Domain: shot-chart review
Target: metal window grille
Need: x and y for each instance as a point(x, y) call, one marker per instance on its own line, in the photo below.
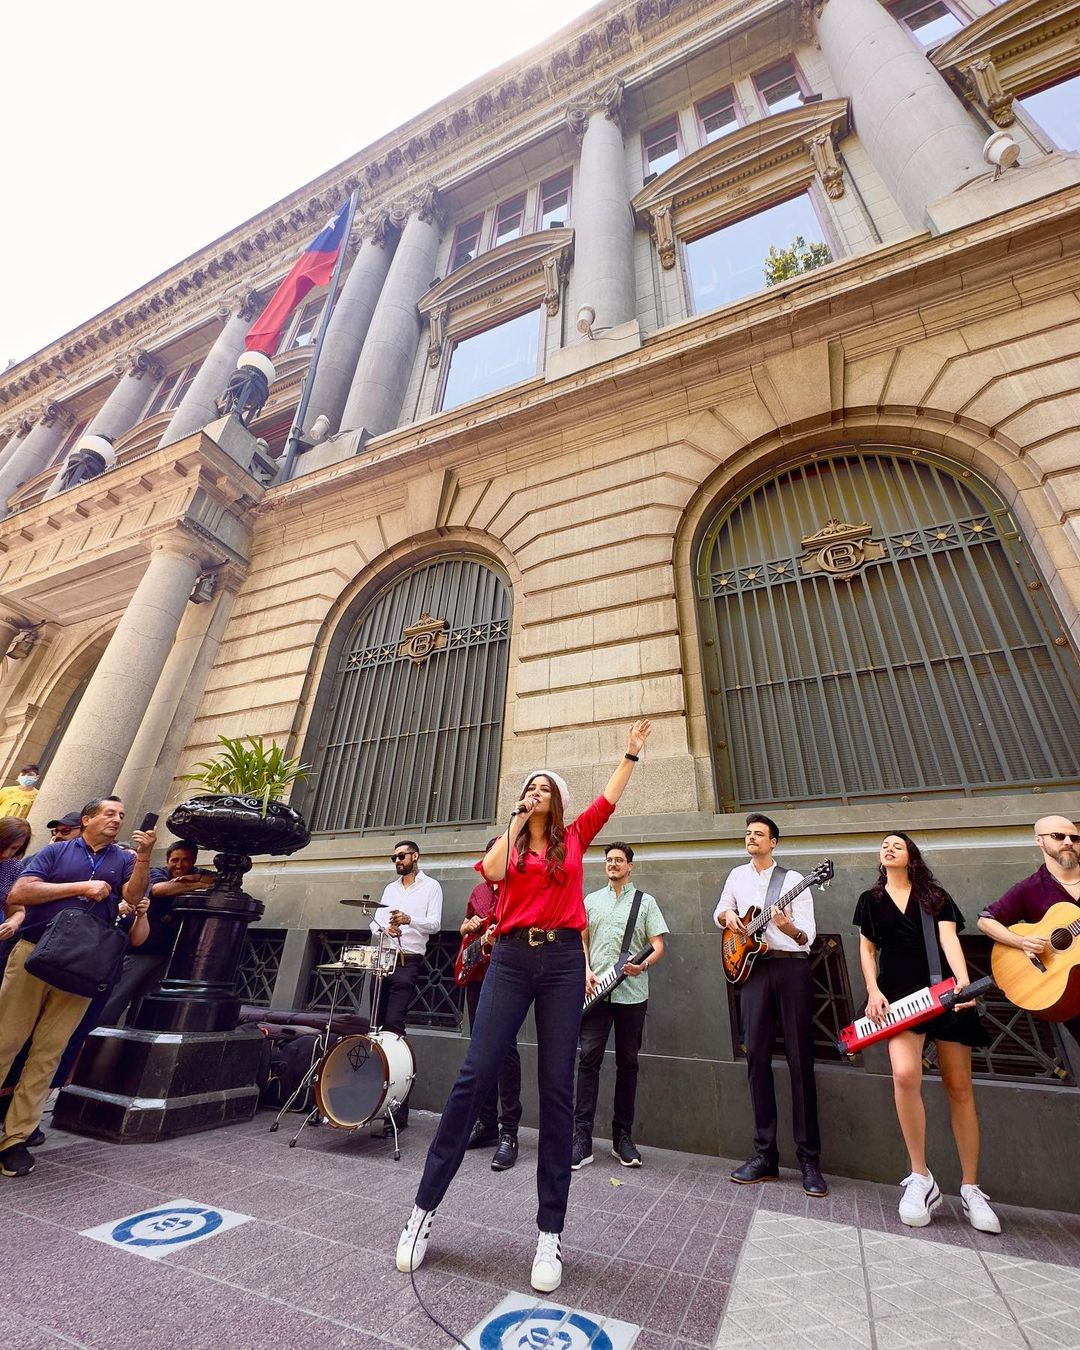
point(415, 740)
point(259, 965)
point(326, 949)
point(439, 1000)
point(832, 1002)
point(940, 666)
point(1023, 1048)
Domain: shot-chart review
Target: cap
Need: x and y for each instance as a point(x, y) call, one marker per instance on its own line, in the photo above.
point(554, 779)
point(72, 819)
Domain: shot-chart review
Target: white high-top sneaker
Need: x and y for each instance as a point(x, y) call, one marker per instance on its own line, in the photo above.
point(412, 1244)
point(547, 1264)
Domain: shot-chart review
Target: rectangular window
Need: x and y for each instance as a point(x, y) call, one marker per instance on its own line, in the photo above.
point(509, 221)
point(730, 262)
point(493, 359)
point(717, 115)
point(70, 441)
point(660, 145)
point(172, 389)
point(301, 330)
point(1057, 111)
point(928, 21)
point(554, 211)
point(779, 87)
point(466, 242)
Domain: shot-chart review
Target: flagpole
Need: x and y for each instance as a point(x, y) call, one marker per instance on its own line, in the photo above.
point(292, 445)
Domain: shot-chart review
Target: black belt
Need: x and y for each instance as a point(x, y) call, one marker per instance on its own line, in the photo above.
point(783, 956)
point(537, 937)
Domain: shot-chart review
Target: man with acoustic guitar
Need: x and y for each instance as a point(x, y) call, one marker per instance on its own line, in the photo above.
point(1056, 882)
point(500, 1112)
point(777, 990)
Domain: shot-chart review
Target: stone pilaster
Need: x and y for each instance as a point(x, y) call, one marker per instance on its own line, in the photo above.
point(922, 140)
point(31, 455)
point(137, 374)
point(199, 404)
point(382, 373)
point(603, 224)
point(351, 319)
point(99, 737)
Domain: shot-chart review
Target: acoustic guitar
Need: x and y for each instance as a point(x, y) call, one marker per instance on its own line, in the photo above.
point(1048, 985)
point(739, 952)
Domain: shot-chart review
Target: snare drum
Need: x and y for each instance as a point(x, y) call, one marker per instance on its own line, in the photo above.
point(370, 958)
point(361, 1077)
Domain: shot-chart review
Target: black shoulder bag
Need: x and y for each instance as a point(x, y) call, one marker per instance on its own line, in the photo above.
point(79, 954)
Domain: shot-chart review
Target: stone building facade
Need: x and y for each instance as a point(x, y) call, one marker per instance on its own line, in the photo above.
point(580, 463)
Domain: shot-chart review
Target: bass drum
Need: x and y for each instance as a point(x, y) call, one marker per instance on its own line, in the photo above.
point(361, 1077)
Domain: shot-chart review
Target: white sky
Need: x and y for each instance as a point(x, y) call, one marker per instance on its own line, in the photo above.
point(135, 133)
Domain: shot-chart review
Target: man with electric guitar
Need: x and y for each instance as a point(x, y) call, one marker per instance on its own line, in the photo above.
point(500, 1112)
point(776, 989)
point(623, 924)
point(1036, 929)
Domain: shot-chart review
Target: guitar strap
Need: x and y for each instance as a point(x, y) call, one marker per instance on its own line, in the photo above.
point(776, 885)
point(933, 957)
point(631, 924)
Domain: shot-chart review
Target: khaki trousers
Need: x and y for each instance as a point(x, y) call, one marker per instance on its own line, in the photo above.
point(32, 1010)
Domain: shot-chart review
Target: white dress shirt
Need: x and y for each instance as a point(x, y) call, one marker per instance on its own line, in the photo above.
point(422, 902)
point(746, 886)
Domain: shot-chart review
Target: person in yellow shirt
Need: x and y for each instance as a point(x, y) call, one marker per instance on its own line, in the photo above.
point(17, 799)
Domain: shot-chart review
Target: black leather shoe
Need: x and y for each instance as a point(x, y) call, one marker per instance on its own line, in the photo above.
point(36, 1139)
point(813, 1183)
point(483, 1136)
point(506, 1154)
point(757, 1169)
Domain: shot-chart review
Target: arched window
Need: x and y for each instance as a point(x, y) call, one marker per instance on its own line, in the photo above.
point(873, 625)
point(412, 725)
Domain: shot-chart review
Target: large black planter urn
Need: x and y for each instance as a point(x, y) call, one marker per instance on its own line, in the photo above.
point(185, 1065)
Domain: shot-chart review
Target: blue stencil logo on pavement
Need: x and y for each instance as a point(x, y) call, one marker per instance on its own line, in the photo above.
point(523, 1323)
point(167, 1228)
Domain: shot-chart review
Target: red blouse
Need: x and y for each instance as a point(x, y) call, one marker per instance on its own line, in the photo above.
point(531, 899)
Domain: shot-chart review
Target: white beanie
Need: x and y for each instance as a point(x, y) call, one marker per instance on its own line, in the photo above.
point(554, 779)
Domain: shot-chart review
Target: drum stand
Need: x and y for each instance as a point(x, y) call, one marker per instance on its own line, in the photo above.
point(376, 989)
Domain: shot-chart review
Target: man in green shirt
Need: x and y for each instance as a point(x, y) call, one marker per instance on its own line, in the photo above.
point(608, 912)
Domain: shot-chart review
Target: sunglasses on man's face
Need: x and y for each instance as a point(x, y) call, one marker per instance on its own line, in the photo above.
point(399, 857)
point(1060, 838)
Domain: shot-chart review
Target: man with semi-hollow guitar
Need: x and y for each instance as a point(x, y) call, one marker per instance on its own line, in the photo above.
point(777, 990)
point(1055, 882)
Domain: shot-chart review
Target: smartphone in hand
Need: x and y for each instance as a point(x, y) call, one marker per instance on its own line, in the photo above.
point(149, 820)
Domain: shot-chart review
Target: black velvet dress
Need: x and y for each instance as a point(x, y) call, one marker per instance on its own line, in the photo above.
point(903, 966)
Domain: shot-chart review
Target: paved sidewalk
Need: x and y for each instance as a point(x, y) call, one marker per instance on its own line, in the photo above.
point(674, 1249)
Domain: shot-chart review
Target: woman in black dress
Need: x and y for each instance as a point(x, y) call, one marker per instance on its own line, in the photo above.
point(892, 951)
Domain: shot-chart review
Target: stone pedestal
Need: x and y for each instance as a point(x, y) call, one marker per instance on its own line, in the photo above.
point(133, 1086)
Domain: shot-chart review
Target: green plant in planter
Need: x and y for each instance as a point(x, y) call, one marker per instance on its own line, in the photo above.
point(250, 770)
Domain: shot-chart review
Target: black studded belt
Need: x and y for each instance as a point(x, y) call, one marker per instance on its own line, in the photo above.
point(538, 937)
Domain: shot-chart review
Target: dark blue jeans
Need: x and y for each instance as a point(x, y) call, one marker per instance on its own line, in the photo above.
point(551, 980)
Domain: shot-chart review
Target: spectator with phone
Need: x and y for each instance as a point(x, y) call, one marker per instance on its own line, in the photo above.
point(144, 966)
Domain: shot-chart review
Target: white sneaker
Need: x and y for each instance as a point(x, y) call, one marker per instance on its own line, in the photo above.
point(978, 1211)
point(547, 1264)
point(412, 1244)
point(921, 1197)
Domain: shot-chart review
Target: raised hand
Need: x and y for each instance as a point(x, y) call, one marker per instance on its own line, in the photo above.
point(637, 736)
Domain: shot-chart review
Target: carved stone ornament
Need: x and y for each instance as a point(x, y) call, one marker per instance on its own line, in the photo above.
point(139, 364)
point(663, 235)
point(823, 153)
point(555, 266)
point(249, 305)
point(55, 414)
point(606, 99)
point(426, 204)
point(436, 318)
point(808, 12)
point(840, 549)
point(374, 226)
point(422, 638)
point(983, 81)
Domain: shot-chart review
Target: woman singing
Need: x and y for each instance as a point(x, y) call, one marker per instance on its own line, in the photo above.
point(892, 950)
point(538, 962)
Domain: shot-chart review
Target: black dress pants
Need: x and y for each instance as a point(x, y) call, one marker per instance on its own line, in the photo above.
point(628, 1019)
point(394, 999)
point(502, 1105)
point(779, 993)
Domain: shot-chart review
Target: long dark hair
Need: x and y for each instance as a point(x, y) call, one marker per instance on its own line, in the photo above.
point(928, 894)
point(14, 830)
point(554, 835)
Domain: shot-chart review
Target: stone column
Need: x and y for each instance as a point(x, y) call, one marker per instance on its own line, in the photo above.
point(918, 134)
point(100, 735)
point(32, 454)
point(12, 435)
point(603, 224)
point(351, 320)
point(138, 372)
point(199, 404)
point(378, 387)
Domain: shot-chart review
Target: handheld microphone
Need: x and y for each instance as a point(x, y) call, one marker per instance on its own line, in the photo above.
point(521, 810)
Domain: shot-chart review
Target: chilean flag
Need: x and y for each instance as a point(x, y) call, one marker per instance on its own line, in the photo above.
point(314, 267)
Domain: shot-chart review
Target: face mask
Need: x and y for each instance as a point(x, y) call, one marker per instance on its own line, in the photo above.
point(26, 780)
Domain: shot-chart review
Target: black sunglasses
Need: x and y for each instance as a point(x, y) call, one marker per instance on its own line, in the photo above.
point(1060, 838)
point(399, 857)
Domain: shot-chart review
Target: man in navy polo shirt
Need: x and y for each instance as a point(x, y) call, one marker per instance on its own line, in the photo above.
point(62, 876)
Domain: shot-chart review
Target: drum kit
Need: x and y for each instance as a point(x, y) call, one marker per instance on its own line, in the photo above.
point(357, 1079)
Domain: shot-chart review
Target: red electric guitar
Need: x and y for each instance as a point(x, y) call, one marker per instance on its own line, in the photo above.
point(473, 956)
